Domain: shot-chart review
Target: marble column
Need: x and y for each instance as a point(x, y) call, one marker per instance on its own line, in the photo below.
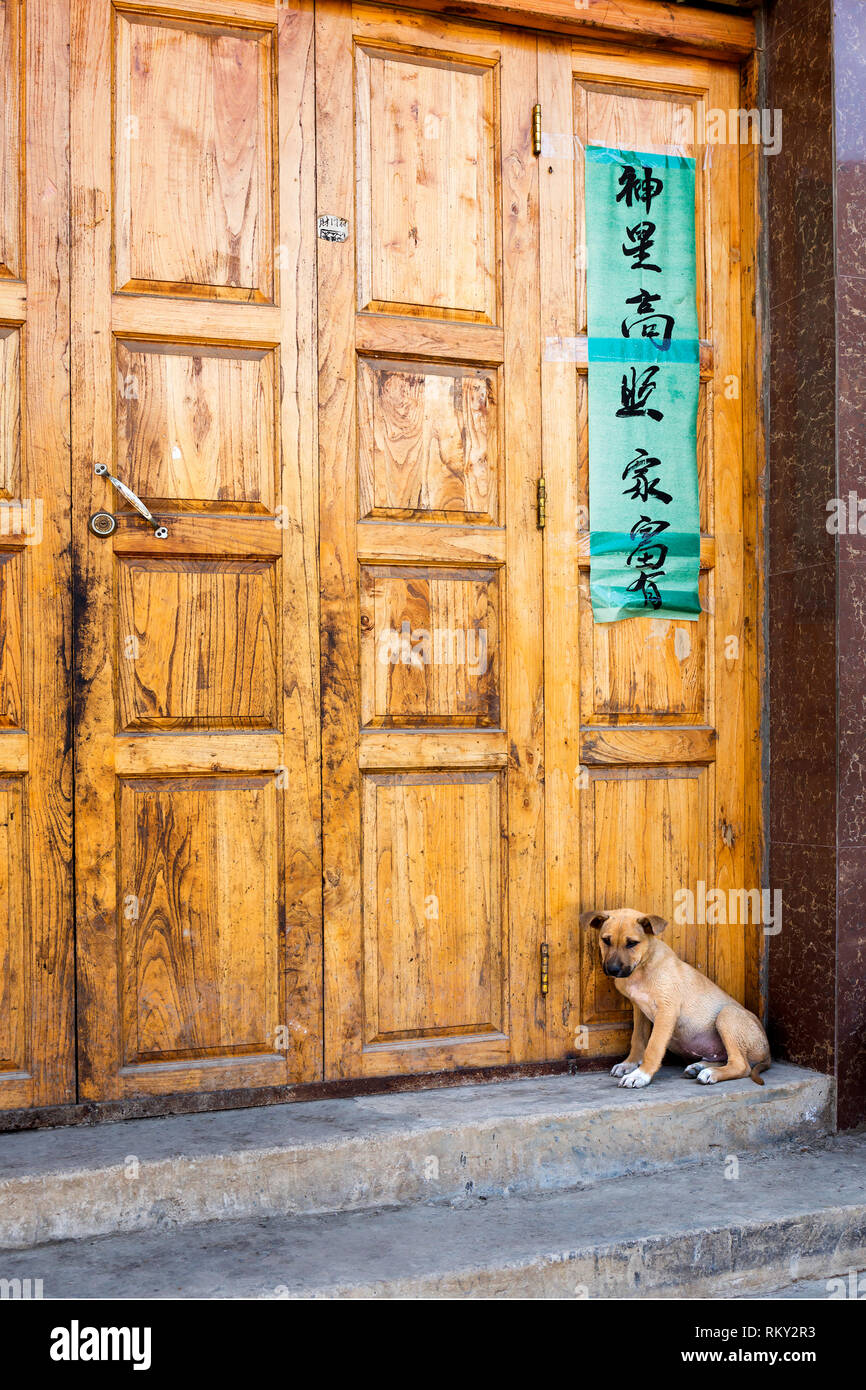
point(815, 73)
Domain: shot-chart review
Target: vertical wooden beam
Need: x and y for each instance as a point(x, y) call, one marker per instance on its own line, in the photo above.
point(296, 274)
point(730, 829)
point(48, 594)
point(340, 618)
point(752, 168)
point(92, 416)
point(524, 674)
point(559, 419)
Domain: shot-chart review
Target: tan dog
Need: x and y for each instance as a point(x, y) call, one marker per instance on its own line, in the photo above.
point(675, 1007)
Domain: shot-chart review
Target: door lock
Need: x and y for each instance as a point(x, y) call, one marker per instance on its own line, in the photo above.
point(159, 531)
point(103, 524)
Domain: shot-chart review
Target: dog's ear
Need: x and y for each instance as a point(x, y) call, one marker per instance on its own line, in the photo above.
point(593, 919)
point(654, 925)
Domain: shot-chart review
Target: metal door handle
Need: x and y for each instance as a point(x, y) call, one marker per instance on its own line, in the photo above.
point(159, 531)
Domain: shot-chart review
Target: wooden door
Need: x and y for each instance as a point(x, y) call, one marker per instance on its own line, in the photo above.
point(37, 1059)
point(488, 761)
point(652, 725)
point(197, 771)
point(429, 453)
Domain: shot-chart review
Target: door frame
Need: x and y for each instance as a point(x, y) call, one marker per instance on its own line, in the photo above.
point(686, 29)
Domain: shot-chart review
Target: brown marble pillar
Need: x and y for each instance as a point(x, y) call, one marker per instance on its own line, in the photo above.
point(815, 73)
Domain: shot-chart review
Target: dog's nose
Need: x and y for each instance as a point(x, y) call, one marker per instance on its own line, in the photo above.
point(611, 968)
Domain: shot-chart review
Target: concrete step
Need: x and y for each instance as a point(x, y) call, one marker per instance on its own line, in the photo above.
point(821, 1290)
point(694, 1231)
point(533, 1136)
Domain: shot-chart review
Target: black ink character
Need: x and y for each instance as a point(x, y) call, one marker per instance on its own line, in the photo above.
point(649, 322)
point(641, 236)
point(649, 554)
point(643, 487)
point(636, 393)
point(648, 587)
point(638, 186)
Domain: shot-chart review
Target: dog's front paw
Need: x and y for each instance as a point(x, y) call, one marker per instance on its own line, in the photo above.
point(623, 1068)
point(636, 1078)
point(707, 1076)
point(693, 1068)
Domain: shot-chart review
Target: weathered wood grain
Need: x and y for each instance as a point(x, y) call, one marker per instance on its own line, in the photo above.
point(203, 93)
point(200, 903)
point(37, 1056)
point(429, 451)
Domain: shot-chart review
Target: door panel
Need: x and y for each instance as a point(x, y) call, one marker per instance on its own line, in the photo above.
point(433, 974)
point(416, 168)
point(491, 760)
point(198, 803)
point(431, 559)
point(203, 855)
point(204, 93)
point(217, 406)
point(656, 779)
point(37, 1064)
point(428, 442)
point(645, 832)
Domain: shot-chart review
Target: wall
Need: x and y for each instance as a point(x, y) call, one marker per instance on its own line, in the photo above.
point(815, 66)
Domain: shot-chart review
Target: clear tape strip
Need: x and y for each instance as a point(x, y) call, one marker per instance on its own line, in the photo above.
point(563, 145)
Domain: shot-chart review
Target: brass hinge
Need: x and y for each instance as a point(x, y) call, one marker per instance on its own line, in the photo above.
point(545, 963)
point(541, 503)
point(536, 130)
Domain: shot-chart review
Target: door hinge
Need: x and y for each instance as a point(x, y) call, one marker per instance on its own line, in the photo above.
point(541, 503)
point(536, 129)
point(545, 964)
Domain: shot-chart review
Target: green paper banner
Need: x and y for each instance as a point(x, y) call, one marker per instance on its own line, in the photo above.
point(645, 536)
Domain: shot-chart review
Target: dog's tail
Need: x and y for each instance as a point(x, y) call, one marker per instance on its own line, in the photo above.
point(757, 1069)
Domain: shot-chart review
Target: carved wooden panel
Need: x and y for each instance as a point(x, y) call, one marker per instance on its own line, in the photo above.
point(427, 442)
point(13, 916)
point(11, 640)
point(195, 425)
point(11, 112)
point(193, 158)
point(10, 413)
point(647, 666)
point(429, 646)
point(434, 934)
point(199, 883)
point(426, 185)
point(197, 643)
point(645, 835)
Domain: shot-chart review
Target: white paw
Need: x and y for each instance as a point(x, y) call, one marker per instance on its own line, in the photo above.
point(623, 1068)
point(636, 1078)
point(693, 1068)
point(706, 1077)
